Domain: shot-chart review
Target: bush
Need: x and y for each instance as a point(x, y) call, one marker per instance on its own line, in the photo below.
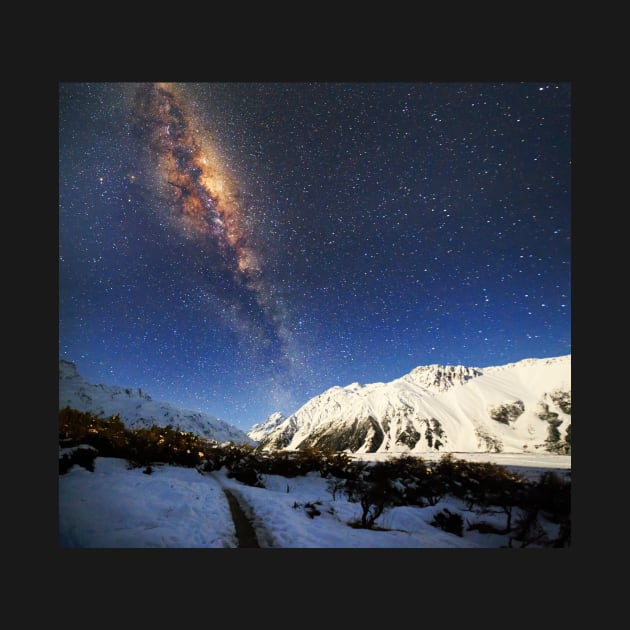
point(336, 464)
point(420, 485)
point(448, 469)
point(141, 447)
point(527, 529)
point(335, 485)
point(248, 475)
point(374, 490)
point(108, 435)
point(166, 445)
point(81, 456)
point(450, 522)
point(292, 463)
point(552, 495)
point(228, 455)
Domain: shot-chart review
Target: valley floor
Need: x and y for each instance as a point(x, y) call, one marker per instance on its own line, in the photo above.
point(118, 507)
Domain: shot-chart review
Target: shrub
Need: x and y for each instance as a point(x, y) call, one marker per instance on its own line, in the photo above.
point(491, 485)
point(111, 438)
point(289, 464)
point(373, 489)
point(74, 426)
point(421, 485)
point(247, 474)
point(108, 435)
point(166, 445)
point(527, 528)
point(448, 469)
point(293, 463)
point(450, 522)
point(564, 535)
point(336, 464)
point(335, 485)
point(552, 495)
point(549, 497)
point(311, 510)
point(81, 456)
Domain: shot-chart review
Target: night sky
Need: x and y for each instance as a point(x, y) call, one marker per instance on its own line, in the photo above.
point(238, 248)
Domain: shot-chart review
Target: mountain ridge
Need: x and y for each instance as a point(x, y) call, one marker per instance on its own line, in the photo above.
point(137, 409)
point(513, 407)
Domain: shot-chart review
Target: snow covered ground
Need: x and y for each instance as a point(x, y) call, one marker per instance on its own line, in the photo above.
point(118, 507)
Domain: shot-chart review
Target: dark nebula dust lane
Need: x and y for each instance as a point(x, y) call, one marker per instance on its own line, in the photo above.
point(202, 194)
point(204, 199)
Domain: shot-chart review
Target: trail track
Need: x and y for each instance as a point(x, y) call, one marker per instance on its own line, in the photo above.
point(245, 533)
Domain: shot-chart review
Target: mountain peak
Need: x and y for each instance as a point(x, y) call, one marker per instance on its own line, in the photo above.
point(258, 431)
point(440, 378)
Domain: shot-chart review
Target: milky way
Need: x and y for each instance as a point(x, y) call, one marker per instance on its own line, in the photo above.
point(204, 197)
point(201, 190)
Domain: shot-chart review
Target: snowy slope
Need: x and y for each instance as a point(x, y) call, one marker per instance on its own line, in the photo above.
point(518, 407)
point(136, 409)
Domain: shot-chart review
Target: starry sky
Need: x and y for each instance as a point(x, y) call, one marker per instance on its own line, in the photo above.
point(238, 248)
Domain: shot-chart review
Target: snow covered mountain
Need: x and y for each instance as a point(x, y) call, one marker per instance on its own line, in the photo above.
point(518, 407)
point(258, 431)
point(137, 410)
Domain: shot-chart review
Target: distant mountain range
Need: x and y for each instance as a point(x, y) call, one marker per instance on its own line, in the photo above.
point(137, 410)
point(518, 407)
